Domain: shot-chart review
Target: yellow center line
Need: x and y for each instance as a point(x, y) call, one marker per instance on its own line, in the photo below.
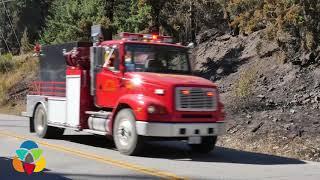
point(106, 160)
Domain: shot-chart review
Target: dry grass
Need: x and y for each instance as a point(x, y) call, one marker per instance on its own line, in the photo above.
point(310, 40)
point(13, 108)
point(259, 48)
point(275, 144)
point(244, 85)
point(281, 57)
point(21, 67)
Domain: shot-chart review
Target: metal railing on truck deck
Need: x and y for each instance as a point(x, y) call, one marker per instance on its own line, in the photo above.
point(48, 88)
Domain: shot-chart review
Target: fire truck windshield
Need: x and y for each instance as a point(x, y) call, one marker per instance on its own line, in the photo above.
point(156, 58)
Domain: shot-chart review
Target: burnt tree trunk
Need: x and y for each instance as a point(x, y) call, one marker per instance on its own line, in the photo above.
point(193, 22)
point(156, 6)
point(109, 9)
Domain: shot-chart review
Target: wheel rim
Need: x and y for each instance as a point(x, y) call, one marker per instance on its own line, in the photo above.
point(124, 132)
point(40, 120)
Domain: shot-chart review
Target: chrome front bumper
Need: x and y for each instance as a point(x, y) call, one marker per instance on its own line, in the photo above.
point(179, 129)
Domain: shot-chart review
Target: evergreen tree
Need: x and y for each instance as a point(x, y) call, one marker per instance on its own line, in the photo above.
point(72, 20)
point(132, 16)
point(183, 19)
point(16, 16)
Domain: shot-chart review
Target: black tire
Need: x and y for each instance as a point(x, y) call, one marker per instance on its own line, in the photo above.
point(207, 145)
point(41, 124)
point(125, 136)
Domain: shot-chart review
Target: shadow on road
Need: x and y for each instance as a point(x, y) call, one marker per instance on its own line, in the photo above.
point(7, 172)
point(181, 152)
point(91, 140)
point(103, 177)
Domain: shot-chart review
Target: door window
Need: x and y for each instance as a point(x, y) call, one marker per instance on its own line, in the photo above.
point(111, 59)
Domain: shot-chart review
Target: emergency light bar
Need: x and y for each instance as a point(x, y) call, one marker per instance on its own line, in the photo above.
point(131, 36)
point(167, 39)
point(145, 37)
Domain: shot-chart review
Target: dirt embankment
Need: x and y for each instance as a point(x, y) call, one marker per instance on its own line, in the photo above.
point(272, 105)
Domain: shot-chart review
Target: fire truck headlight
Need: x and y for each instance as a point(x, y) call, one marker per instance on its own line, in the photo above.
point(156, 109)
point(151, 109)
point(136, 81)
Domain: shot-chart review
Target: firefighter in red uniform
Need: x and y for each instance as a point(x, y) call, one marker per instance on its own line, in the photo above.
point(37, 50)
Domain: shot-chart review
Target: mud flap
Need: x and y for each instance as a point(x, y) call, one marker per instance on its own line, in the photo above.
point(31, 125)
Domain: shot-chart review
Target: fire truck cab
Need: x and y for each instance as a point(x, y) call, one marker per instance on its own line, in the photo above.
point(138, 88)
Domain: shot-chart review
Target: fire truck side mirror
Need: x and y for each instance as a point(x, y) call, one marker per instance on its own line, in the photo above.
point(96, 34)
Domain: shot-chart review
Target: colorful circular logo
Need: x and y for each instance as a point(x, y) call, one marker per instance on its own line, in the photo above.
point(29, 158)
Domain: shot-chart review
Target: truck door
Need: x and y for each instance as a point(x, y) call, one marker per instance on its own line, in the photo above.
point(109, 79)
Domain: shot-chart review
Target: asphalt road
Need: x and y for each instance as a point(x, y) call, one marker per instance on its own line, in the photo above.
point(83, 156)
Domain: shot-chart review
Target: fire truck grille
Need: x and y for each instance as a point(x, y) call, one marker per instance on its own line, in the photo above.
point(196, 99)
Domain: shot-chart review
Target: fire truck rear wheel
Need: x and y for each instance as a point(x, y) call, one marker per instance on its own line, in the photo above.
point(41, 124)
point(207, 145)
point(125, 136)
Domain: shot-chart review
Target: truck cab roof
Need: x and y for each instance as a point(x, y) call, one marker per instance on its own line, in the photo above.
point(121, 41)
point(136, 38)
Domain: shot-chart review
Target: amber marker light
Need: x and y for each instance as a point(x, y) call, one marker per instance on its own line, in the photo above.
point(154, 37)
point(210, 94)
point(185, 92)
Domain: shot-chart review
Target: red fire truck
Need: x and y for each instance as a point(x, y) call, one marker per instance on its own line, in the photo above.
point(135, 89)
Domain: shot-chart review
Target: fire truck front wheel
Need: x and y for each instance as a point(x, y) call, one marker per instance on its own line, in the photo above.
point(125, 136)
point(207, 145)
point(41, 124)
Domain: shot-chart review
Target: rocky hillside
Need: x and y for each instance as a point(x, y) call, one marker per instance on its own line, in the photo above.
point(272, 103)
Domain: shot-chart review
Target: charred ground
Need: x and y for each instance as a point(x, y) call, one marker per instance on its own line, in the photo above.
point(272, 103)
